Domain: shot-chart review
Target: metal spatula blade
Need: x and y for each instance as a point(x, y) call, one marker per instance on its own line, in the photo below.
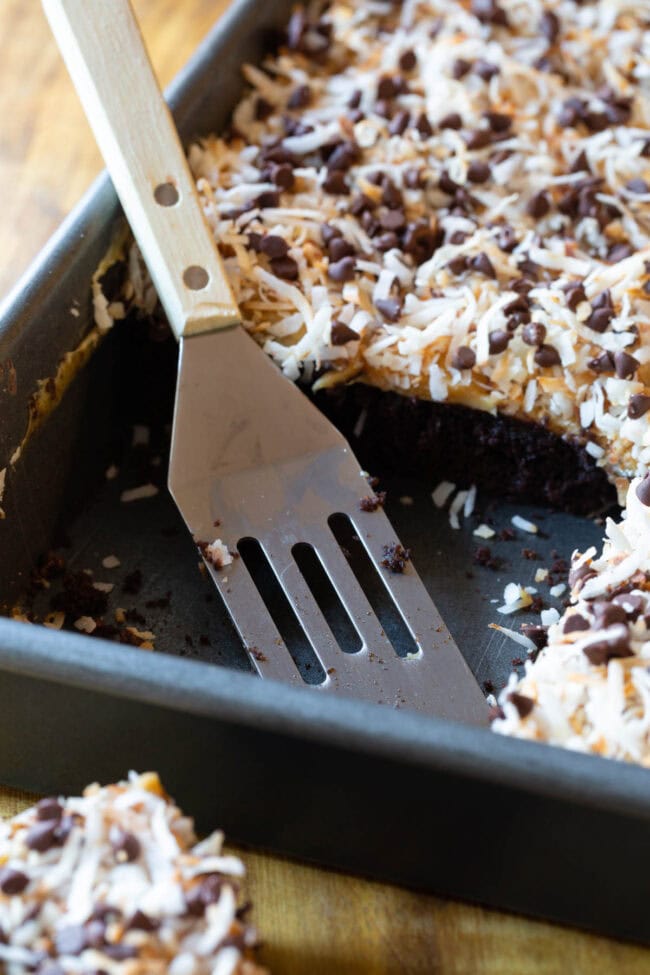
point(250, 453)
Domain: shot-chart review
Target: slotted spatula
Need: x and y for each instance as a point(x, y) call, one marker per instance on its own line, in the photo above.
point(249, 451)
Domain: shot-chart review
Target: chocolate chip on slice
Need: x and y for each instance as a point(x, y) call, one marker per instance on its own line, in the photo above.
point(643, 490)
point(538, 205)
point(638, 406)
point(413, 178)
point(267, 199)
point(580, 163)
point(522, 702)
point(478, 138)
point(602, 363)
point(549, 26)
point(575, 295)
point(600, 319)
point(262, 109)
point(606, 614)
point(338, 248)
point(614, 642)
point(489, 12)
point(485, 69)
point(393, 219)
point(519, 304)
point(49, 808)
point(420, 241)
point(498, 121)
point(575, 623)
point(458, 264)
point(120, 951)
point(343, 156)
point(300, 97)
point(478, 172)
point(547, 356)
point(506, 239)
point(126, 846)
point(274, 246)
point(386, 242)
point(460, 68)
point(391, 308)
point(140, 921)
point(399, 123)
point(632, 603)
point(451, 121)
point(42, 836)
point(498, 341)
point(538, 634)
point(342, 270)
point(12, 881)
point(637, 185)
point(463, 358)
point(482, 263)
point(328, 232)
point(423, 125)
point(407, 60)
point(391, 196)
point(335, 183)
point(285, 268)
point(386, 88)
point(534, 333)
point(282, 175)
point(341, 334)
point(581, 574)
point(619, 252)
point(625, 364)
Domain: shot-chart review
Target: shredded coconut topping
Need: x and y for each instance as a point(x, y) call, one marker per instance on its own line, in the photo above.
point(115, 881)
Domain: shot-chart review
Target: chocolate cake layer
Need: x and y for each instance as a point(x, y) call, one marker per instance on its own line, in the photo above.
point(503, 456)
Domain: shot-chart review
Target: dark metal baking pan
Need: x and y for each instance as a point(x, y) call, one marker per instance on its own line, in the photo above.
point(431, 804)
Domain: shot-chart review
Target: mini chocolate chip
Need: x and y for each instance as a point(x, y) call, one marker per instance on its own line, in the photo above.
point(603, 300)
point(126, 846)
point(386, 242)
point(338, 248)
point(519, 304)
point(538, 205)
point(282, 175)
point(478, 172)
point(423, 125)
point(393, 219)
point(581, 574)
point(447, 184)
point(342, 270)
point(343, 156)
point(606, 614)
point(458, 264)
point(637, 185)
point(386, 88)
point(413, 178)
point(49, 808)
point(300, 97)
point(391, 308)
point(489, 12)
point(478, 138)
point(274, 246)
point(615, 642)
point(485, 69)
point(341, 334)
point(391, 196)
point(267, 199)
point(420, 241)
point(285, 268)
point(549, 26)
point(619, 252)
point(458, 237)
point(334, 183)
point(506, 239)
point(575, 295)
point(534, 333)
point(638, 406)
point(580, 163)
point(600, 319)
point(643, 490)
point(523, 704)
point(95, 932)
point(632, 604)
point(407, 60)
point(329, 232)
point(355, 98)
point(70, 940)
point(498, 341)
point(460, 68)
point(12, 881)
point(142, 922)
point(575, 623)
point(262, 109)
point(538, 634)
point(360, 203)
point(602, 363)
point(482, 263)
point(547, 356)
point(498, 121)
point(120, 951)
point(626, 365)
point(399, 123)
point(42, 836)
point(463, 358)
point(451, 121)
point(206, 892)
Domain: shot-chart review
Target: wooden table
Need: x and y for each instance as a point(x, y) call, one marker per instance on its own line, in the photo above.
point(313, 922)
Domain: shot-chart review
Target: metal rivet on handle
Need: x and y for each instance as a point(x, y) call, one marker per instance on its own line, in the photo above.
point(196, 278)
point(166, 194)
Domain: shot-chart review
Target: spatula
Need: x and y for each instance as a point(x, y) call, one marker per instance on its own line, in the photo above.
point(251, 457)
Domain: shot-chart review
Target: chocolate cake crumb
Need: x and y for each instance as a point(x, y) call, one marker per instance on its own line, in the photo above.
point(373, 501)
point(132, 582)
point(483, 556)
point(79, 597)
point(395, 557)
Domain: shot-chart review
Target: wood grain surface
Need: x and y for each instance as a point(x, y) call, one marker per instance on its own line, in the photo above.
point(313, 922)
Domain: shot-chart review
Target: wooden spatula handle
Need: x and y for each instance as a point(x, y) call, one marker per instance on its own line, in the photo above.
point(102, 46)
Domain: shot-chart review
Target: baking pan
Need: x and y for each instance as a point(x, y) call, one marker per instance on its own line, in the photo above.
point(385, 793)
